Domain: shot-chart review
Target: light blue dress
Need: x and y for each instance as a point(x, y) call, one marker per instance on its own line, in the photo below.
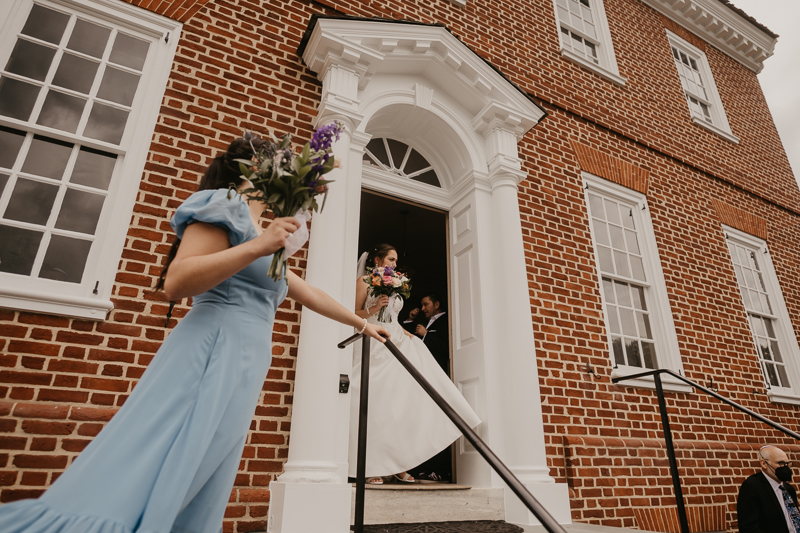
point(167, 460)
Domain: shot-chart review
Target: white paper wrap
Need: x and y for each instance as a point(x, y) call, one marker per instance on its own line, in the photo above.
point(296, 240)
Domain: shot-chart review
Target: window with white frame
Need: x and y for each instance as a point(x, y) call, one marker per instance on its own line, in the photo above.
point(80, 88)
point(767, 315)
point(699, 88)
point(585, 37)
point(641, 332)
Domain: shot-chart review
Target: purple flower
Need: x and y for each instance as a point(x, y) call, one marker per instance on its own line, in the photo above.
point(323, 137)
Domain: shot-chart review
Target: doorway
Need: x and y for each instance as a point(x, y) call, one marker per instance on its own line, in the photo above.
point(419, 234)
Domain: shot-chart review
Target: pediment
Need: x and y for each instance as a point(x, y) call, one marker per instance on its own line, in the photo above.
point(370, 48)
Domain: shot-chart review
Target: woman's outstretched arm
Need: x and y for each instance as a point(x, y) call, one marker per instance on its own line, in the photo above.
point(205, 258)
point(320, 302)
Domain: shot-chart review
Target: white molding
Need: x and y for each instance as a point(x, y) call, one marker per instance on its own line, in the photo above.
point(668, 383)
point(80, 299)
point(663, 324)
point(783, 325)
point(721, 126)
point(722, 27)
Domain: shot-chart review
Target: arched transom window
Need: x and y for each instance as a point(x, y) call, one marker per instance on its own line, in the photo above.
point(400, 159)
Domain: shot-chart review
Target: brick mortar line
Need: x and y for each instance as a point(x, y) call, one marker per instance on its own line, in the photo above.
point(670, 157)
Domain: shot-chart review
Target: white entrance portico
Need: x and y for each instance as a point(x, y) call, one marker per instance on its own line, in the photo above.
point(420, 85)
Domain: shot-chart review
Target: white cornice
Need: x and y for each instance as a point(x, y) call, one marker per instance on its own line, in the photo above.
point(721, 27)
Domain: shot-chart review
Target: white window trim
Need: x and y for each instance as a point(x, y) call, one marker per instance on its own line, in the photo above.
point(720, 126)
point(79, 300)
point(668, 349)
point(783, 326)
point(607, 68)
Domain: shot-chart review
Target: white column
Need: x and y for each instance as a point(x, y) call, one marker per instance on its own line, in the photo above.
point(523, 439)
point(311, 496)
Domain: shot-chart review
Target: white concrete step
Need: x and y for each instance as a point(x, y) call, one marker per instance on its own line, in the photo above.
point(393, 504)
point(583, 528)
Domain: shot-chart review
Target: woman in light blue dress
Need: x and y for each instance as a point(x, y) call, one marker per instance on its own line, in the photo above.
point(167, 460)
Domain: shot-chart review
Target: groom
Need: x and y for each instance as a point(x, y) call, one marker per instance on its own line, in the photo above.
point(432, 329)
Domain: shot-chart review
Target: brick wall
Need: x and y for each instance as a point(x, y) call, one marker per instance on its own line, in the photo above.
point(236, 67)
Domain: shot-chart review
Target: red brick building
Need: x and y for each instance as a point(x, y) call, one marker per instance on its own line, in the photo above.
point(616, 155)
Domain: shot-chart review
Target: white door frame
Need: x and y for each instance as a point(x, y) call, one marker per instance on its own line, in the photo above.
point(419, 84)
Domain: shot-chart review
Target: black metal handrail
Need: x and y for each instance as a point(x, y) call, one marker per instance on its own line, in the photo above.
point(662, 407)
point(541, 514)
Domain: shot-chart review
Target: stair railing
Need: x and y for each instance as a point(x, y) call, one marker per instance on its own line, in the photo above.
point(541, 514)
point(662, 407)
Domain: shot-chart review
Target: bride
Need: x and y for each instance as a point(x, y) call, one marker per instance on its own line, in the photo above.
point(405, 427)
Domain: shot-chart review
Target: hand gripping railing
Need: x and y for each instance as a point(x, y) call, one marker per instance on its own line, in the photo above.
point(502, 470)
point(662, 407)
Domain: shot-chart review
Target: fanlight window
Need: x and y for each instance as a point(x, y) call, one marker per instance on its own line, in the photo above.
point(400, 159)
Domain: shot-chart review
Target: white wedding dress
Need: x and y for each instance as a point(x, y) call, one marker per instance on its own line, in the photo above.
point(405, 426)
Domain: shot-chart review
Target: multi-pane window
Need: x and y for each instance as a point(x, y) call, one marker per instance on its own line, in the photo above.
point(585, 37)
point(699, 89)
point(399, 158)
point(639, 327)
point(624, 282)
point(578, 32)
point(75, 83)
point(692, 82)
point(765, 314)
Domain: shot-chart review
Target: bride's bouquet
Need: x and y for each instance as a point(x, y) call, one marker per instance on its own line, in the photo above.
point(386, 280)
point(289, 183)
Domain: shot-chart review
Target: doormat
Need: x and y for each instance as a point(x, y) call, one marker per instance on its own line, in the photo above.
point(472, 526)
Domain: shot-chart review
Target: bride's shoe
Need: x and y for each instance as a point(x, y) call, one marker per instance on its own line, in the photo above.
point(375, 481)
point(404, 477)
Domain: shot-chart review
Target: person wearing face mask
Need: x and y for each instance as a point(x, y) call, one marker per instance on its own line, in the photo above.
point(767, 503)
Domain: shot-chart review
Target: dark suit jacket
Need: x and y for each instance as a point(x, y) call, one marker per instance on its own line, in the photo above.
point(758, 507)
point(437, 340)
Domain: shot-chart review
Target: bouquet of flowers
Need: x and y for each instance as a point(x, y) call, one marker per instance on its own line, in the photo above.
point(386, 280)
point(289, 183)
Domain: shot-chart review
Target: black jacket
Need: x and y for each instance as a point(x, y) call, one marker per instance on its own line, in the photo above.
point(437, 340)
point(758, 507)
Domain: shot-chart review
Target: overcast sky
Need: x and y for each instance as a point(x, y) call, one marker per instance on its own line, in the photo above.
point(780, 78)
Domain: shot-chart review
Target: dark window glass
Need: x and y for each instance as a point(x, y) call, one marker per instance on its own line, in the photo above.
point(10, 143)
point(61, 111)
point(17, 98)
point(428, 177)
point(31, 60)
point(47, 158)
point(129, 51)
point(93, 168)
point(31, 201)
point(377, 149)
point(106, 123)
point(398, 151)
point(89, 38)
point(65, 259)
point(118, 86)
point(415, 162)
point(3, 181)
point(45, 24)
point(80, 211)
point(75, 73)
point(18, 249)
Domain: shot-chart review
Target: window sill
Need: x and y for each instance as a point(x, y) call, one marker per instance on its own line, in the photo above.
point(54, 304)
point(783, 397)
point(597, 69)
point(668, 383)
point(712, 128)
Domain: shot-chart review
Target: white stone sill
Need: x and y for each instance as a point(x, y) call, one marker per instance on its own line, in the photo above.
point(714, 129)
point(613, 77)
point(55, 304)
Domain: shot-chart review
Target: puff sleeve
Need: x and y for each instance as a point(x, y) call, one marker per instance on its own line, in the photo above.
point(214, 207)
